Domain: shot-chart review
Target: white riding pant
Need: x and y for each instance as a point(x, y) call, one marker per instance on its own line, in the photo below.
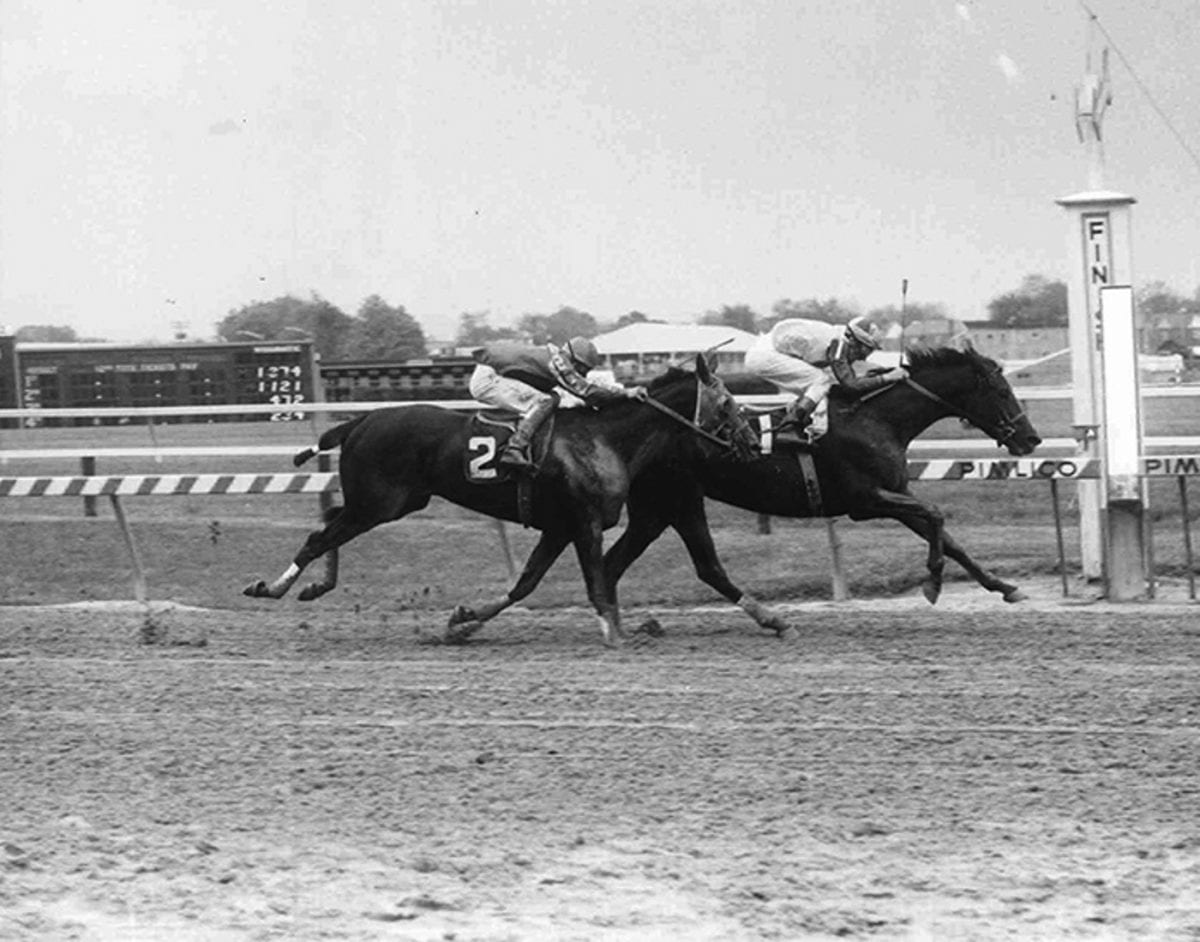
point(500, 392)
point(788, 373)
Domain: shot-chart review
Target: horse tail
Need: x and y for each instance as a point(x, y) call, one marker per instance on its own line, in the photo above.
point(329, 440)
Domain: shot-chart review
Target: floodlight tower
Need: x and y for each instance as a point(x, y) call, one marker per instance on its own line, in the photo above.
point(1106, 398)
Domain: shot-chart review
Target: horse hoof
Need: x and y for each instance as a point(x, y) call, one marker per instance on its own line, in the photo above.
point(787, 633)
point(1015, 595)
point(310, 592)
point(256, 590)
point(460, 615)
point(931, 591)
point(460, 632)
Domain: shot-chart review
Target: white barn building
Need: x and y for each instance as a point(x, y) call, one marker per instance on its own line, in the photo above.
point(642, 350)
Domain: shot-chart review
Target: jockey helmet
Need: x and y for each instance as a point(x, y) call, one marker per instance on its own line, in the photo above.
point(583, 354)
point(864, 332)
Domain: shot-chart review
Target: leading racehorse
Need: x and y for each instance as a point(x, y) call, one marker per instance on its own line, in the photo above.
point(394, 460)
point(861, 469)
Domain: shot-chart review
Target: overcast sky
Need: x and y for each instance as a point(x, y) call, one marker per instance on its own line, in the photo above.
point(169, 160)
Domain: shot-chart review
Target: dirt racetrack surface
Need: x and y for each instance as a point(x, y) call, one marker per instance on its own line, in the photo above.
point(974, 771)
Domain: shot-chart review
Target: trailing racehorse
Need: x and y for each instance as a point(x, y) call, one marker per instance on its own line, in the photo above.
point(861, 470)
point(394, 460)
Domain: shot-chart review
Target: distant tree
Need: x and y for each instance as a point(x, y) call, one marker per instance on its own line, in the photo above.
point(290, 318)
point(921, 311)
point(382, 332)
point(625, 320)
point(635, 317)
point(830, 310)
point(474, 330)
point(45, 333)
point(740, 316)
point(559, 327)
point(1156, 298)
point(1039, 302)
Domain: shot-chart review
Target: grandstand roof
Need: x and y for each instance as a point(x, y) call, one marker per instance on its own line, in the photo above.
point(672, 338)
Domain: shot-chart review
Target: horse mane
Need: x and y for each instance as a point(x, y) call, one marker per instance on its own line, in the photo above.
point(673, 375)
point(919, 358)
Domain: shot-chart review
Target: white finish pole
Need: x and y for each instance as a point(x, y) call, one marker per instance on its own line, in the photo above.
point(1099, 251)
point(1125, 489)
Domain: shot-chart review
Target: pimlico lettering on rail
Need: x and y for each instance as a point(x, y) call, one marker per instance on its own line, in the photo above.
point(1017, 469)
point(1171, 465)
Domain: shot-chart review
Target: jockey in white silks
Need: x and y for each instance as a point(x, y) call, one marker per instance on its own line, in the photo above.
point(533, 381)
point(806, 358)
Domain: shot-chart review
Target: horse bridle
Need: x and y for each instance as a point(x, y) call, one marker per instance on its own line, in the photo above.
point(1002, 431)
point(694, 422)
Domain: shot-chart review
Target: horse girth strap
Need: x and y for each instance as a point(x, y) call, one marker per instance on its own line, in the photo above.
point(694, 426)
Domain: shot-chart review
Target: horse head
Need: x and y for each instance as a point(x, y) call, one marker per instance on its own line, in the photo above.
point(700, 399)
point(973, 387)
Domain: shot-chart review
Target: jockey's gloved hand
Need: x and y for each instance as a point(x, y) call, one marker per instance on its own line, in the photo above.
point(896, 375)
point(637, 392)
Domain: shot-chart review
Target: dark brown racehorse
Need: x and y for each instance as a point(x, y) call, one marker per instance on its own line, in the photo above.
point(394, 460)
point(862, 469)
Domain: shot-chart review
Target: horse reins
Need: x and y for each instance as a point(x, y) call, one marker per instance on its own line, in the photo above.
point(693, 423)
point(1004, 430)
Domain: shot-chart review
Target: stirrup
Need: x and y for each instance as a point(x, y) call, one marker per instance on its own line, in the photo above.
point(515, 458)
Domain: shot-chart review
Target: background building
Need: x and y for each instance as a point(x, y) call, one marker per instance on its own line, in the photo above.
point(640, 351)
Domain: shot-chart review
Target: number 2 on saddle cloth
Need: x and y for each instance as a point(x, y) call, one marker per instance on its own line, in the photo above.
point(489, 433)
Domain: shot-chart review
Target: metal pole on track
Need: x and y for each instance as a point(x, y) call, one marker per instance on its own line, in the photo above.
point(502, 532)
point(1187, 536)
point(1058, 537)
point(140, 592)
point(838, 581)
point(87, 467)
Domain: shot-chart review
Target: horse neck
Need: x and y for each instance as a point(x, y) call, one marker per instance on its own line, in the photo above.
point(907, 412)
point(641, 435)
point(653, 435)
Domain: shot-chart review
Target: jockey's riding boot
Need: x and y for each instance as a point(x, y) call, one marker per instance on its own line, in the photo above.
point(801, 412)
point(516, 452)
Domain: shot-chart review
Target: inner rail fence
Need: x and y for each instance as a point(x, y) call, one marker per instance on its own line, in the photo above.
point(934, 460)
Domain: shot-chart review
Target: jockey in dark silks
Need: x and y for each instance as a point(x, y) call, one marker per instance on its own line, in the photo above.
point(534, 380)
point(806, 358)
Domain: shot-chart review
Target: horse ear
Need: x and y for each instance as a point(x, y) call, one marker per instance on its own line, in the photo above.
point(705, 369)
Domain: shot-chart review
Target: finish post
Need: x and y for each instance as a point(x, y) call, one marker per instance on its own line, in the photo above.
point(1124, 487)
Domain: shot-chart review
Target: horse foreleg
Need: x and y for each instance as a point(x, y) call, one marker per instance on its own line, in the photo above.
point(641, 530)
point(589, 547)
point(465, 621)
point(692, 527)
point(1008, 591)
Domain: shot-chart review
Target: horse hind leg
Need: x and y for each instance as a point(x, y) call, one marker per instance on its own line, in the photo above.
point(342, 525)
point(338, 530)
point(328, 581)
point(923, 519)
